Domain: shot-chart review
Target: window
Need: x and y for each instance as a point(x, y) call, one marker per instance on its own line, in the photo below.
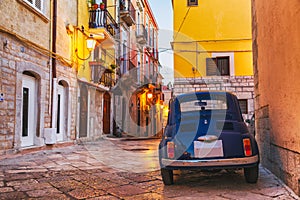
point(37, 4)
point(218, 66)
point(192, 2)
point(244, 105)
point(25, 111)
point(203, 102)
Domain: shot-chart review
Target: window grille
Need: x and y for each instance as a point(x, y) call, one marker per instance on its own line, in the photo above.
point(36, 4)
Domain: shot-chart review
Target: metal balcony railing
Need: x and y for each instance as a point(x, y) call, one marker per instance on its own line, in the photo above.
point(107, 78)
point(141, 34)
point(102, 19)
point(127, 12)
point(102, 75)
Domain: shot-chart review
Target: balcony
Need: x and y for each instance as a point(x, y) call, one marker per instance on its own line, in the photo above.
point(141, 34)
point(101, 75)
point(127, 12)
point(133, 71)
point(100, 21)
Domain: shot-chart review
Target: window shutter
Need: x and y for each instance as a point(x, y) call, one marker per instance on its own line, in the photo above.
point(211, 67)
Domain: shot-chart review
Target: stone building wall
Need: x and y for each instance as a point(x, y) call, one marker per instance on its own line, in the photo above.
point(242, 86)
point(20, 18)
point(15, 58)
point(277, 86)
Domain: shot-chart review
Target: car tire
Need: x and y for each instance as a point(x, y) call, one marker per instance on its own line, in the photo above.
point(251, 174)
point(167, 176)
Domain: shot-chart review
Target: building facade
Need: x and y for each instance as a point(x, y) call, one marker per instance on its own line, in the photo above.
point(38, 91)
point(213, 48)
point(138, 92)
point(276, 50)
point(97, 21)
point(55, 87)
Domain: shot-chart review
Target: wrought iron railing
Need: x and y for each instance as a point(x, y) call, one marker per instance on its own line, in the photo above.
point(141, 34)
point(102, 19)
point(107, 78)
point(127, 6)
point(102, 75)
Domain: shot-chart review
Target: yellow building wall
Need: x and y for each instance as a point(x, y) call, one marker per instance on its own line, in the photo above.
point(212, 26)
point(84, 70)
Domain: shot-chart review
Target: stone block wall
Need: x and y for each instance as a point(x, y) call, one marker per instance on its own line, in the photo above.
point(277, 87)
point(283, 162)
point(242, 86)
point(15, 58)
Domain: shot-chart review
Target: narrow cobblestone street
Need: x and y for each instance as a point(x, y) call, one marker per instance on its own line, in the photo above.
point(121, 169)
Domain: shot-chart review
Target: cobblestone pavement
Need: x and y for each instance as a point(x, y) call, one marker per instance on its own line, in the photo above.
point(121, 169)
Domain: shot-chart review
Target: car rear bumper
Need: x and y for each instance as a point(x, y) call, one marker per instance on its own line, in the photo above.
point(211, 162)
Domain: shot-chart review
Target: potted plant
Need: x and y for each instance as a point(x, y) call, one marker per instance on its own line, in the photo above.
point(113, 66)
point(102, 6)
point(93, 4)
point(122, 5)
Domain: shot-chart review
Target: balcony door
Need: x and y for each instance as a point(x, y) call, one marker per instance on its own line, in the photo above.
point(29, 120)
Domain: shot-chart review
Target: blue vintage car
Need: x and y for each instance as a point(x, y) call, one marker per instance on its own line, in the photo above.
point(206, 130)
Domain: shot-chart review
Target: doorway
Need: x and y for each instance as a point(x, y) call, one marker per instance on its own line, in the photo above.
point(106, 113)
point(61, 122)
point(29, 105)
point(83, 111)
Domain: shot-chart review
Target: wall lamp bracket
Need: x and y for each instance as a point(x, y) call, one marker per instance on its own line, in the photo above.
point(5, 44)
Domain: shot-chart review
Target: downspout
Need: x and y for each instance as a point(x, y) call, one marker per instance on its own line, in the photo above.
point(74, 44)
point(54, 30)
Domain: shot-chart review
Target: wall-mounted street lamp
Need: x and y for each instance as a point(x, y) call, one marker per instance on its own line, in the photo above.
point(149, 96)
point(90, 45)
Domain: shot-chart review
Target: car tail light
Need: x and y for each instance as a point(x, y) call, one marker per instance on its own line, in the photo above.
point(247, 147)
point(170, 149)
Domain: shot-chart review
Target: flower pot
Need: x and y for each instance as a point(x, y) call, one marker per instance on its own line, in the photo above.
point(102, 6)
point(95, 6)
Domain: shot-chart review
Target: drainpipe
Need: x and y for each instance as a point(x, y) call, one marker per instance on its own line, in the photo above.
point(54, 29)
point(50, 133)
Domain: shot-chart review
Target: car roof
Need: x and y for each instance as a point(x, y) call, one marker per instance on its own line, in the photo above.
point(216, 92)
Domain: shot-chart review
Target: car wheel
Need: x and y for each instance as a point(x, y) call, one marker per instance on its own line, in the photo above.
point(251, 174)
point(167, 176)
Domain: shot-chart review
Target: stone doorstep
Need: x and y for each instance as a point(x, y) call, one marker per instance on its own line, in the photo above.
point(11, 153)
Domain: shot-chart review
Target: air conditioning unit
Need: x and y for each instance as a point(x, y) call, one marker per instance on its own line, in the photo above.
point(50, 135)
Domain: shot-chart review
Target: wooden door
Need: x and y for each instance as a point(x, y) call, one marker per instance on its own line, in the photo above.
point(83, 111)
point(106, 113)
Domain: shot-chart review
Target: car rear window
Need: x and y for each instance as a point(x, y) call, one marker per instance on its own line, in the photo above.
point(203, 102)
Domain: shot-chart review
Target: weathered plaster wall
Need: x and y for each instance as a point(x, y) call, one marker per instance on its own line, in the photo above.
point(20, 18)
point(276, 47)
